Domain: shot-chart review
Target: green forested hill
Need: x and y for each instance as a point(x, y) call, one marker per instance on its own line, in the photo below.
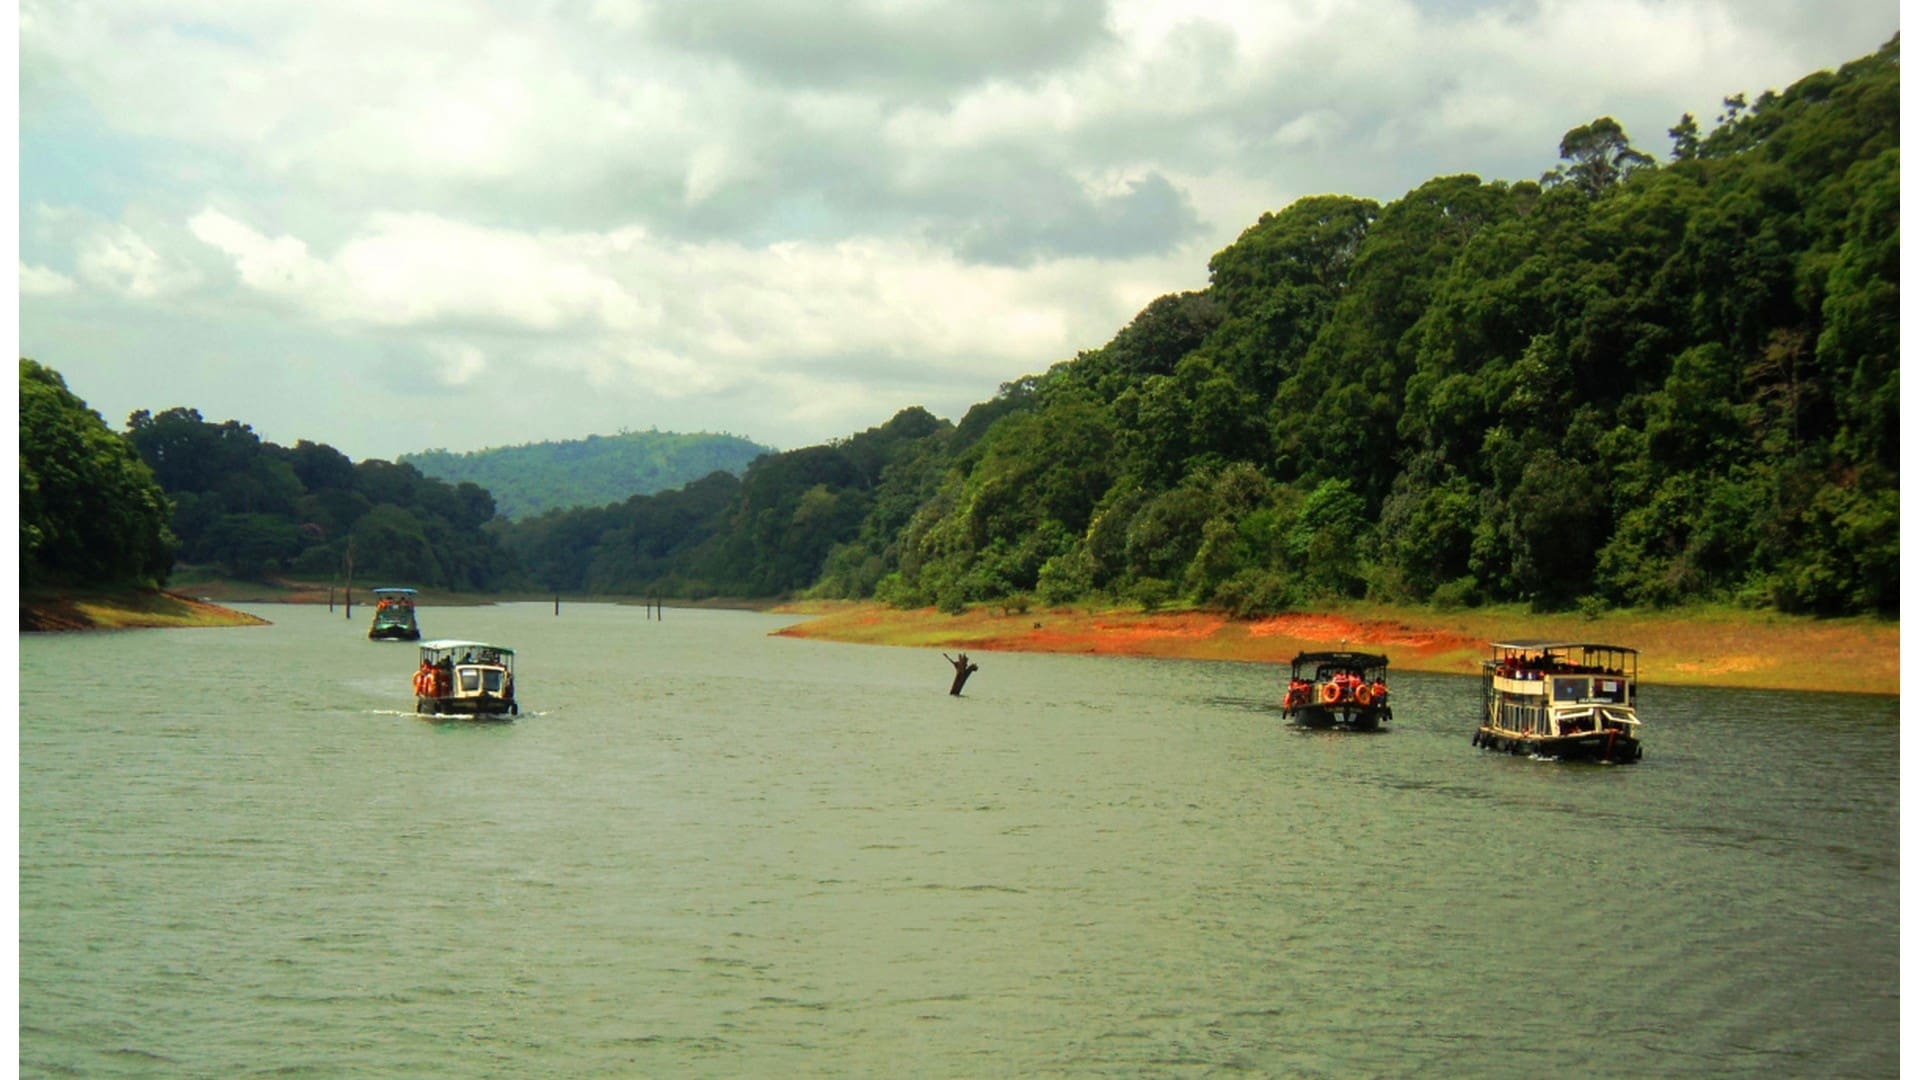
point(250, 509)
point(533, 478)
point(768, 533)
point(1630, 382)
point(104, 509)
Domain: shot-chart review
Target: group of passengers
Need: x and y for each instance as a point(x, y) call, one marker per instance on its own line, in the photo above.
point(1529, 666)
point(436, 679)
point(433, 680)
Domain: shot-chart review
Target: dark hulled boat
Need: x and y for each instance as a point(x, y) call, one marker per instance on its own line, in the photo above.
point(393, 616)
point(1338, 689)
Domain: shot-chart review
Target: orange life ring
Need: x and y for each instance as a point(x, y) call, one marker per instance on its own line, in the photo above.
point(1363, 695)
point(1330, 693)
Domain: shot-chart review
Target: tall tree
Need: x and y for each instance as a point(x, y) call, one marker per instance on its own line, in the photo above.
point(1596, 156)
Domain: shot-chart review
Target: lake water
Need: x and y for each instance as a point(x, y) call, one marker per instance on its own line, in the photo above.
point(705, 851)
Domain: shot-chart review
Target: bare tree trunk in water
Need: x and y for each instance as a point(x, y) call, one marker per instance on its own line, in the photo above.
point(961, 669)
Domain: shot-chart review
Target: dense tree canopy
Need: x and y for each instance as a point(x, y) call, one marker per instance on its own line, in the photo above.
point(90, 510)
point(253, 509)
point(1630, 384)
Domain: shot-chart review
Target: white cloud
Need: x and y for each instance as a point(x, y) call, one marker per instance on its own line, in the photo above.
point(418, 270)
point(710, 314)
point(40, 281)
point(651, 204)
point(459, 365)
point(410, 269)
point(278, 266)
point(1308, 129)
point(120, 260)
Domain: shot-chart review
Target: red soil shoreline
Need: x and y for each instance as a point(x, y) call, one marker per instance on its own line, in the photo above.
point(1706, 649)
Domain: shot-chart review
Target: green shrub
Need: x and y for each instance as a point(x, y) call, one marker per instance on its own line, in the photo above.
point(1461, 592)
point(1152, 593)
point(1253, 593)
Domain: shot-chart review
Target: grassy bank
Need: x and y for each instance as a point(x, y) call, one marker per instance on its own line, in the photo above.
point(1713, 647)
point(49, 609)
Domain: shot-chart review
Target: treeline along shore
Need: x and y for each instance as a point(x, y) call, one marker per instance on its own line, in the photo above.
point(1639, 387)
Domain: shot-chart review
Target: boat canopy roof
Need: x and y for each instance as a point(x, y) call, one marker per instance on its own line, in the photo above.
point(1357, 659)
point(390, 590)
point(1549, 645)
point(440, 645)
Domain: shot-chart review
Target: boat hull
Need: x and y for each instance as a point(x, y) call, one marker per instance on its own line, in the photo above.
point(1612, 747)
point(478, 708)
point(1353, 717)
point(393, 633)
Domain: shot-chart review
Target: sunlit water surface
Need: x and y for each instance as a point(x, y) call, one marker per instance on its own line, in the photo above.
point(702, 850)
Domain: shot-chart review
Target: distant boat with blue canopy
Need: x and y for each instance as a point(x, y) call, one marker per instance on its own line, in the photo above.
point(393, 615)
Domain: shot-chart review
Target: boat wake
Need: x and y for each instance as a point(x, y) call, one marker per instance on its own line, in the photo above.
point(460, 718)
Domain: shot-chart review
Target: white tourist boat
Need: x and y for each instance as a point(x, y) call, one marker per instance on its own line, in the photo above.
point(1575, 701)
point(465, 678)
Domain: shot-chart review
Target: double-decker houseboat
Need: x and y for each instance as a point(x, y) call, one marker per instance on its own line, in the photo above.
point(1338, 689)
point(1561, 699)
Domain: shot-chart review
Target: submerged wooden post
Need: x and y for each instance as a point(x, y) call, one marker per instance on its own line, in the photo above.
point(329, 599)
point(961, 669)
point(556, 603)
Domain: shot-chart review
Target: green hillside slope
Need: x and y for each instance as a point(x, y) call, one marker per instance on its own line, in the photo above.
point(529, 480)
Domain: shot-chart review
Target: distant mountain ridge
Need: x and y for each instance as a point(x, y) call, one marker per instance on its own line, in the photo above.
point(533, 478)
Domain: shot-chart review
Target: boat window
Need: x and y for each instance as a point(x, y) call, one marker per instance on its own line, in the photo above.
point(1565, 689)
point(469, 679)
point(491, 680)
point(1610, 690)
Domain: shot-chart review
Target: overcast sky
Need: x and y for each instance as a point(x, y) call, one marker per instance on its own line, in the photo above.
point(396, 226)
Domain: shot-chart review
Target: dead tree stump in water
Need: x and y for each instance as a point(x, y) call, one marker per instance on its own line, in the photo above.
point(961, 669)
